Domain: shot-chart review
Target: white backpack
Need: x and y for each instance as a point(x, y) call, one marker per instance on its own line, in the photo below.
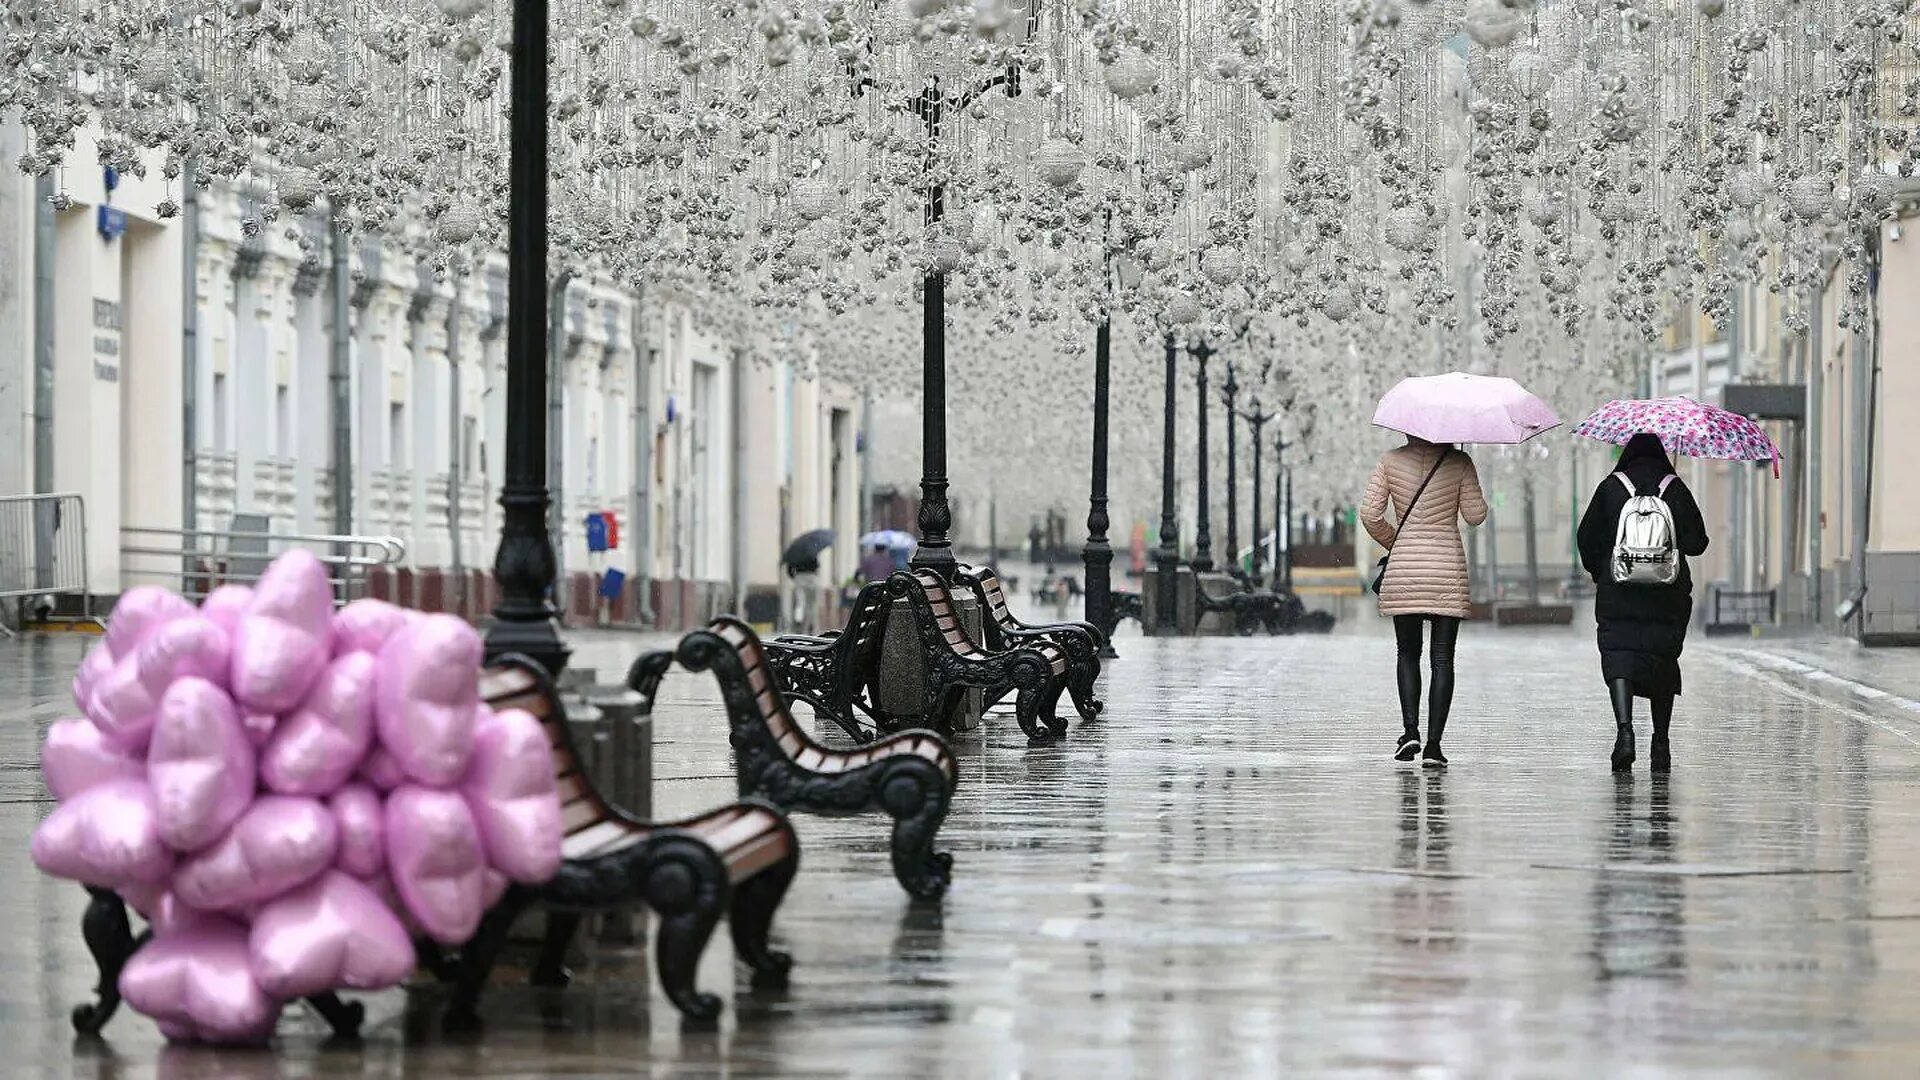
point(1644, 552)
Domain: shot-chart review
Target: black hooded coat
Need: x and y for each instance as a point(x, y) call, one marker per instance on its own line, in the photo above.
point(1642, 628)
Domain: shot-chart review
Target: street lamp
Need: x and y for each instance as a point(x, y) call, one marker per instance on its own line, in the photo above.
point(1097, 555)
point(524, 566)
point(1229, 391)
point(1257, 420)
point(935, 519)
point(1166, 557)
point(1202, 560)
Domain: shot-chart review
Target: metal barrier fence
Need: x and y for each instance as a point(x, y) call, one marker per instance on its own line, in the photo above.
point(43, 548)
point(194, 562)
point(1736, 612)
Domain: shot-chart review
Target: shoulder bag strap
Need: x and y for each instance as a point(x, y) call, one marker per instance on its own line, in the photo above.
point(1421, 490)
point(1666, 480)
point(1632, 492)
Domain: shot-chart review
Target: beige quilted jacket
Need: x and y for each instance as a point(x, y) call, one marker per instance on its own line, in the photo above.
point(1427, 570)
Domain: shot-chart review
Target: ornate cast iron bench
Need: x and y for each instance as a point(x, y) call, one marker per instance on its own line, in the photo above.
point(736, 860)
point(910, 776)
point(1079, 640)
point(110, 938)
point(832, 672)
point(1035, 673)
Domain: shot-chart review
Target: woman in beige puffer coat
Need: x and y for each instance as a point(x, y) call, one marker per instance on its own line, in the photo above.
point(1426, 577)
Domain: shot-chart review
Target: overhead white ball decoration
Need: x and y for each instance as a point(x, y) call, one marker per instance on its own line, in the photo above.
point(1221, 264)
point(1059, 162)
point(1132, 75)
point(1492, 24)
point(813, 198)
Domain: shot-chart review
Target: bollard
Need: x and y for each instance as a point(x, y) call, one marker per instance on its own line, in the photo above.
point(626, 770)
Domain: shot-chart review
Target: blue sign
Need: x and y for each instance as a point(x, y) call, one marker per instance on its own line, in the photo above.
point(596, 532)
point(113, 222)
point(673, 409)
point(611, 584)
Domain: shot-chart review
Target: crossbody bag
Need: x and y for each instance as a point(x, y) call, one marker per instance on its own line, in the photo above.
point(1380, 568)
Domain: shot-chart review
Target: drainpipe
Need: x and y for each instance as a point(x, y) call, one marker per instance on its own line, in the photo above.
point(736, 475)
point(1866, 368)
point(456, 416)
point(557, 434)
point(340, 379)
point(865, 514)
point(1815, 456)
point(189, 359)
point(641, 516)
point(44, 238)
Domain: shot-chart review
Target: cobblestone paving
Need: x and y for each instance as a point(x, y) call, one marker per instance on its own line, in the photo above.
point(1227, 875)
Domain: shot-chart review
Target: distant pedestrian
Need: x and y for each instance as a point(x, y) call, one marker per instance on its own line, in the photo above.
point(876, 563)
point(1431, 487)
point(1642, 619)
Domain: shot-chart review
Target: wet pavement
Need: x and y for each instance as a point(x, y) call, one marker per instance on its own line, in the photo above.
point(1226, 875)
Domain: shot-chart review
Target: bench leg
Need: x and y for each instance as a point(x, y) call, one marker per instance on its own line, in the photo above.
point(688, 888)
point(110, 939)
point(1050, 693)
point(918, 804)
point(344, 1017)
point(1080, 685)
point(551, 967)
point(477, 959)
point(754, 902)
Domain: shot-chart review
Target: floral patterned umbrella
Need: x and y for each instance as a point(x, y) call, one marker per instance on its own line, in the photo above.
point(1686, 427)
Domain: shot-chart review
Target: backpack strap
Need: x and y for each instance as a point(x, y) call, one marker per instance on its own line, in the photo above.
point(1634, 492)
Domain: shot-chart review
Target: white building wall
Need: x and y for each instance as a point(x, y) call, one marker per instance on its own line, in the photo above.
point(263, 437)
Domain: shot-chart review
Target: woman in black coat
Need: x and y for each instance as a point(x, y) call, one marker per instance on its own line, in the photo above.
point(1642, 627)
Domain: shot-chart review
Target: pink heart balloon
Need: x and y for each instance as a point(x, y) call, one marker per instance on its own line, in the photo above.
point(96, 665)
point(200, 764)
point(381, 770)
point(108, 835)
point(127, 698)
point(77, 756)
point(286, 635)
point(511, 788)
point(226, 605)
point(196, 980)
point(435, 858)
point(365, 625)
point(280, 842)
point(363, 847)
point(138, 613)
point(428, 693)
point(332, 932)
point(317, 748)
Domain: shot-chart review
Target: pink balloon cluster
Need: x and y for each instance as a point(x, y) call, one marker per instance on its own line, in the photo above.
point(289, 794)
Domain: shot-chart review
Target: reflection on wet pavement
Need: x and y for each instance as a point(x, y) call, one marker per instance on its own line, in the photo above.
point(1226, 875)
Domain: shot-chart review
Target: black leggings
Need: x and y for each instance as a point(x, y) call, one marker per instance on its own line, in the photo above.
point(1446, 631)
point(1623, 706)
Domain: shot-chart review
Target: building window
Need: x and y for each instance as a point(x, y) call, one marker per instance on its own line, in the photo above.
point(396, 436)
point(220, 412)
point(469, 445)
point(593, 464)
point(282, 424)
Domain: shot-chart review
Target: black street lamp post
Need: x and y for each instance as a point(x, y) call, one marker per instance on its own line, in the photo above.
point(1202, 560)
point(1257, 421)
point(1283, 502)
point(1097, 555)
point(1228, 392)
point(524, 566)
point(1166, 557)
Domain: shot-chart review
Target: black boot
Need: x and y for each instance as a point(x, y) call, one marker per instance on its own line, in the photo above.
point(1622, 692)
point(1662, 757)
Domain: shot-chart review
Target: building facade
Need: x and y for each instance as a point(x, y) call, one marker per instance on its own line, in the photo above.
point(697, 461)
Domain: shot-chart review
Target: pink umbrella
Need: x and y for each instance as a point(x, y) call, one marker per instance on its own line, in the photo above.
point(1462, 408)
point(1686, 427)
